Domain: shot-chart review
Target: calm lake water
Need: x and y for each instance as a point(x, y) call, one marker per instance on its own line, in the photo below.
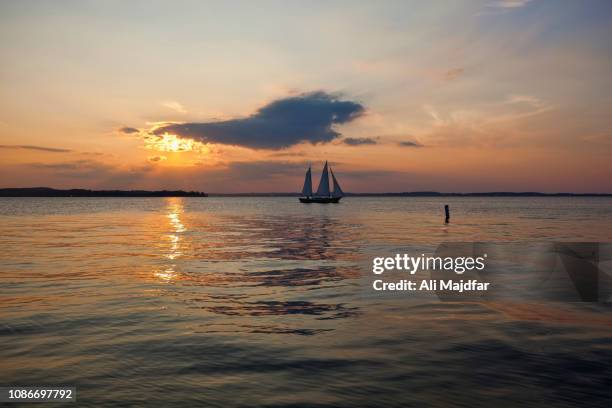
point(259, 301)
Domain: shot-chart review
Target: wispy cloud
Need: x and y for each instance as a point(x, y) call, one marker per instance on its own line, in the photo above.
point(431, 111)
point(288, 154)
point(175, 106)
point(528, 99)
point(266, 168)
point(285, 122)
point(89, 172)
point(454, 73)
point(39, 148)
point(409, 143)
point(502, 6)
point(128, 130)
point(359, 141)
point(78, 169)
point(155, 159)
point(509, 4)
point(72, 165)
point(525, 105)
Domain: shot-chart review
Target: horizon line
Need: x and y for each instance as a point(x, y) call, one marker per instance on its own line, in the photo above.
point(31, 192)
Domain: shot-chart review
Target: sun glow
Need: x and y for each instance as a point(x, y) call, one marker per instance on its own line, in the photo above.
point(171, 143)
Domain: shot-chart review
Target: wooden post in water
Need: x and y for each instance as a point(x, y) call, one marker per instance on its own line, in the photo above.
point(447, 213)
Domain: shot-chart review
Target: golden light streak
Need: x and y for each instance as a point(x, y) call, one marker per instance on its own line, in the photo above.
point(175, 209)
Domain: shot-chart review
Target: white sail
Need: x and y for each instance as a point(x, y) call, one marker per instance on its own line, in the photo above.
point(307, 190)
point(337, 190)
point(323, 190)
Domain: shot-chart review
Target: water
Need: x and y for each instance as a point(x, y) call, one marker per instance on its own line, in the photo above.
point(259, 301)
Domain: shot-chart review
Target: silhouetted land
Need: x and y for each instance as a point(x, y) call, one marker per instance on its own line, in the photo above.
point(51, 192)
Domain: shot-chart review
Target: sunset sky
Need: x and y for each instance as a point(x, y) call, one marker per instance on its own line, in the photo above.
point(241, 96)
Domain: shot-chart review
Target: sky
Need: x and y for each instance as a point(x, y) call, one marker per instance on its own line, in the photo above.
point(451, 96)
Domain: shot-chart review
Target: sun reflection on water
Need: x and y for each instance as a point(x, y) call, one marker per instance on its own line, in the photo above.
point(174, 210)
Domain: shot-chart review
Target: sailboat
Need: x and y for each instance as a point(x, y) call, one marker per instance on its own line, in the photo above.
point(323, 195)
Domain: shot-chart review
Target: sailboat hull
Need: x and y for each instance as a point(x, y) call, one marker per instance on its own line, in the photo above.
point(320, 200)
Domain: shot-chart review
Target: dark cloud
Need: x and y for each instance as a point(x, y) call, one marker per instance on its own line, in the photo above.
point(282, 123)
point(359, 141)
point(409, 143)
point(40, 148)
point(453, 73)
point(128, 130)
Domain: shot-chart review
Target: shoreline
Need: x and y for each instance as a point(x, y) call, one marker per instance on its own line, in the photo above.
point(52, 192)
